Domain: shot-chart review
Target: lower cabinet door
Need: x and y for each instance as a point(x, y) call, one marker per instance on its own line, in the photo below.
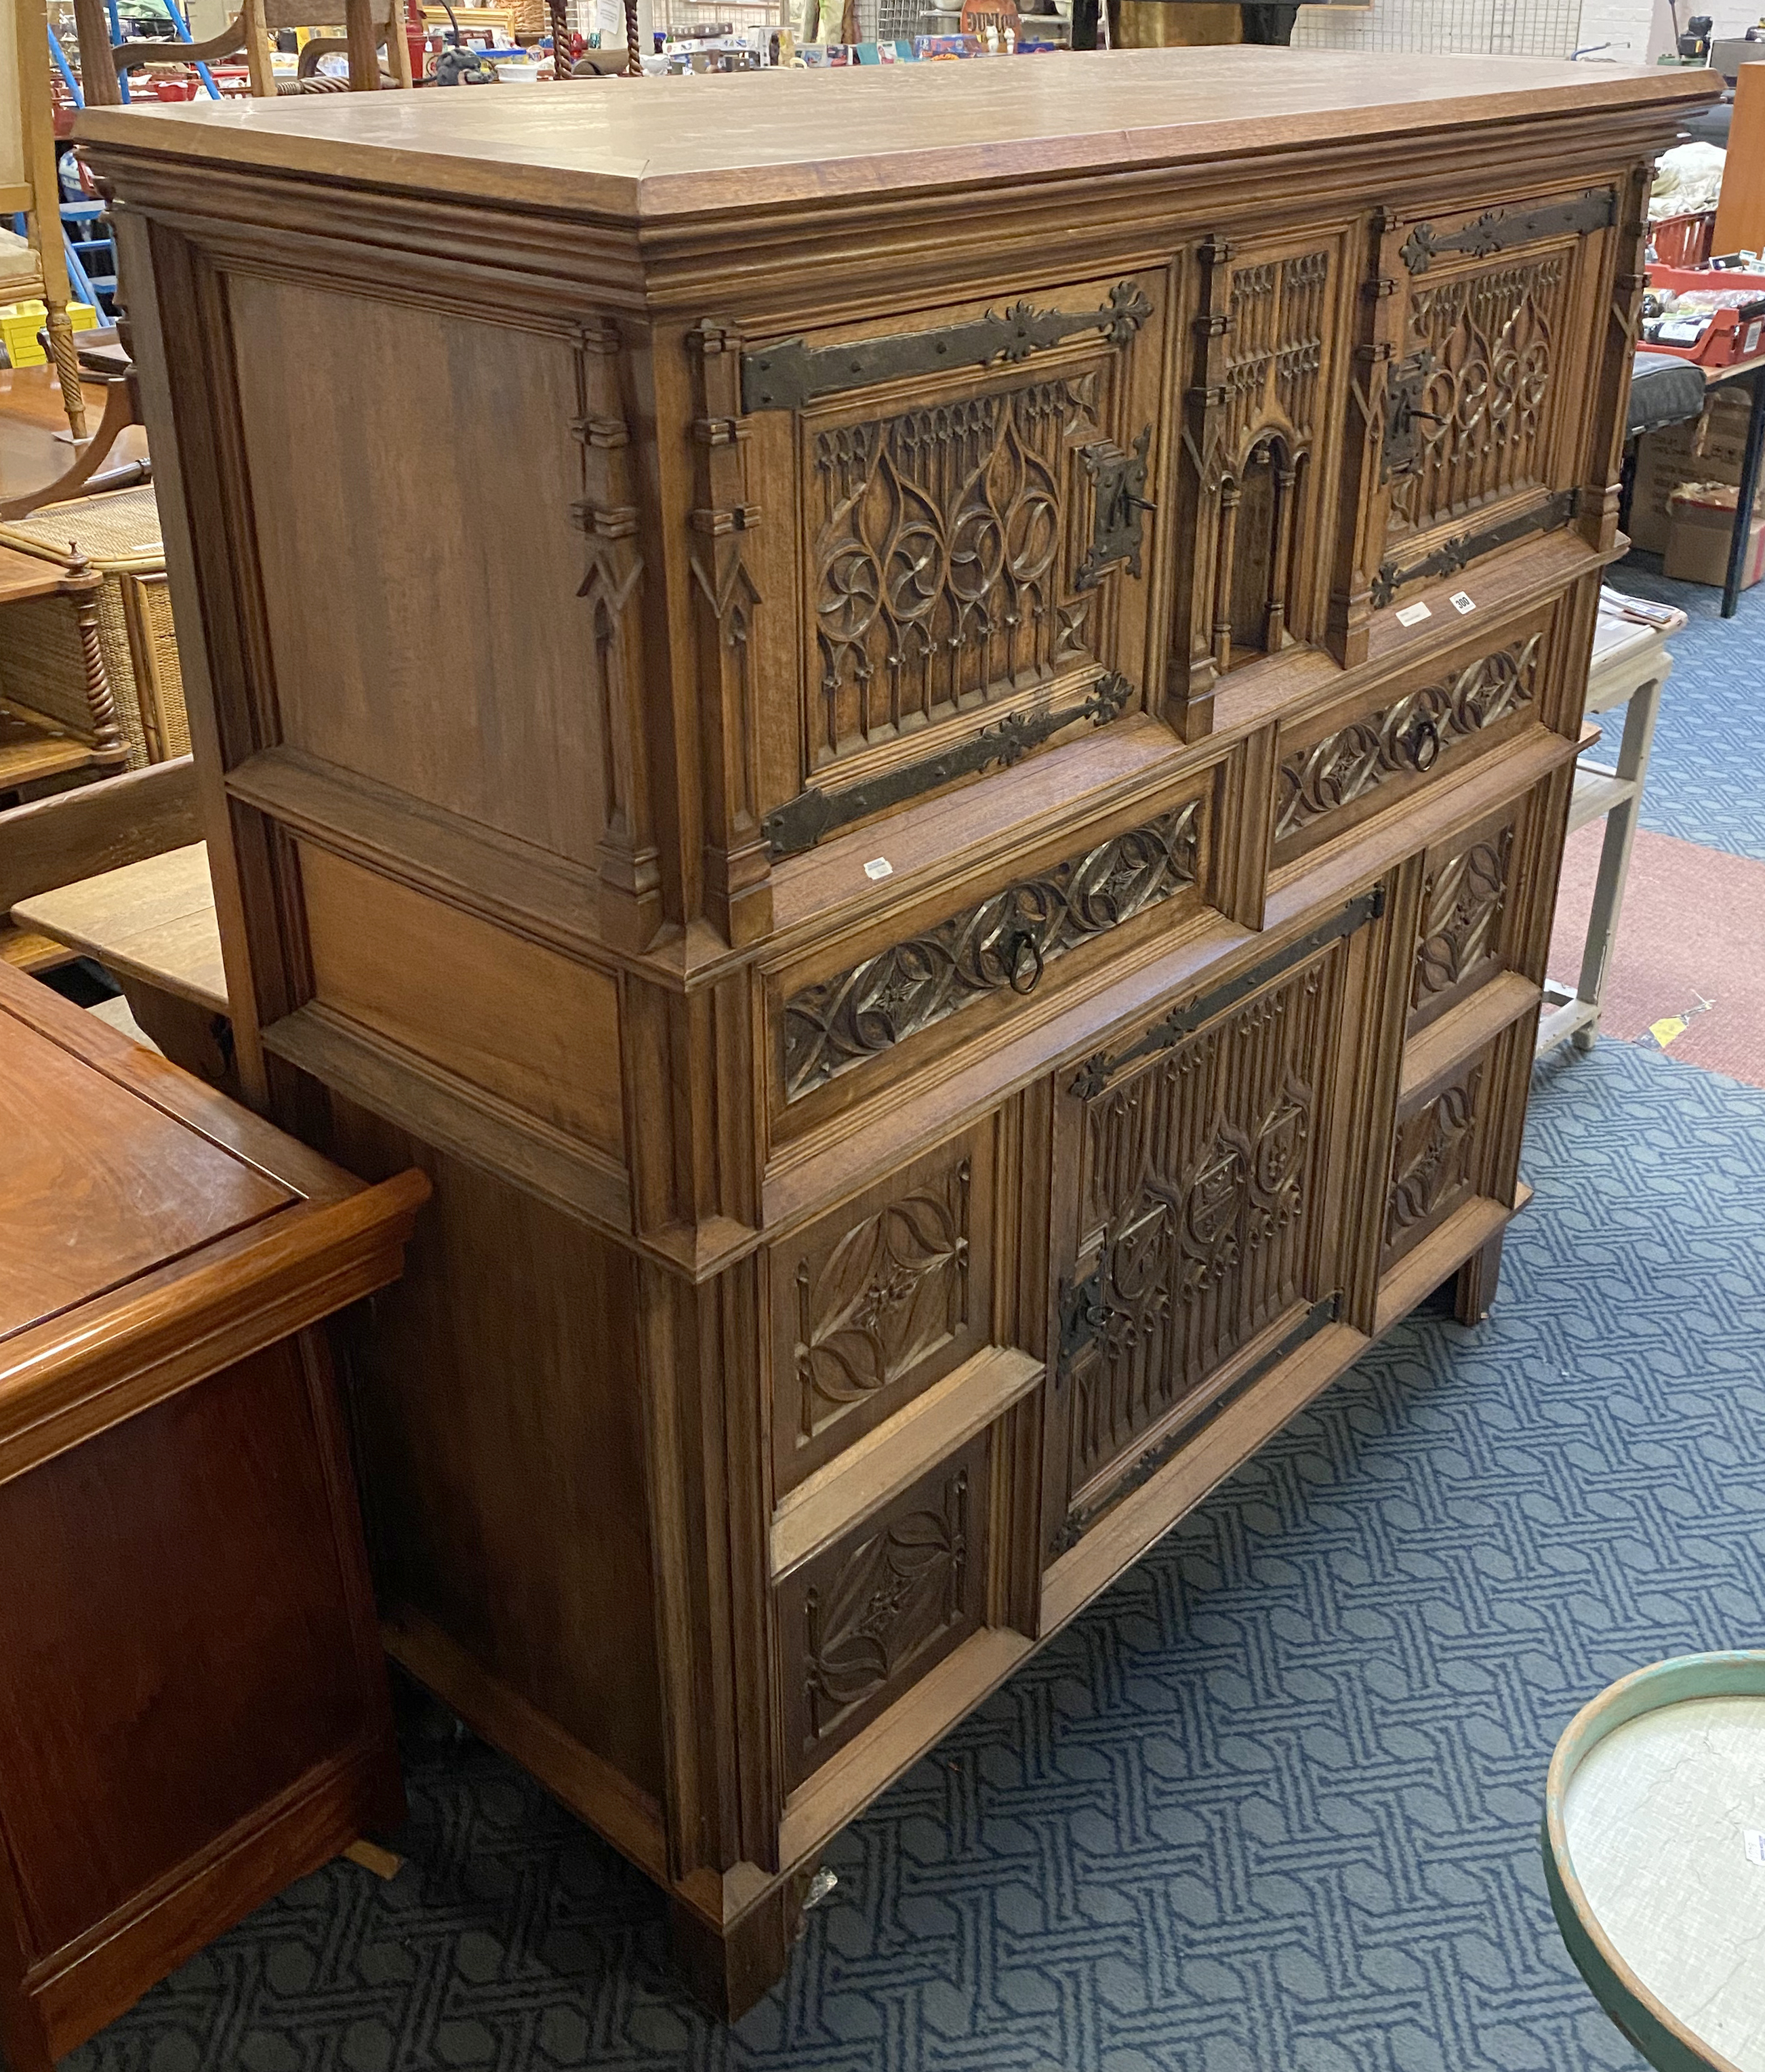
point(861, 1622)
point(1201, 1228)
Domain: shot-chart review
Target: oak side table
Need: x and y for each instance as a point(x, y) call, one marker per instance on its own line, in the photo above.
point(193, 1705)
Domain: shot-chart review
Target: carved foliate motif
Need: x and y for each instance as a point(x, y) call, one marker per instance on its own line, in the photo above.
point(1431, 1161)
point(1404, 739)
point(1198, 1178)
point(1004, 941)
point(1463, 904)
point(943, 560)
point(892, 1291)
point(895, 1592)
point(1484, 348)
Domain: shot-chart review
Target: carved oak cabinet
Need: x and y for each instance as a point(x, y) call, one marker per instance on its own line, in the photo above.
point(912, 729)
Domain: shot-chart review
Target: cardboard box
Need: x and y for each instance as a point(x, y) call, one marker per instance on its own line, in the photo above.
point(1708, 451)
point(1699, 527)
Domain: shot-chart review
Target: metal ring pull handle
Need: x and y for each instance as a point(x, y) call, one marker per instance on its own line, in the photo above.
point(1424, 744)
point(1023, 959)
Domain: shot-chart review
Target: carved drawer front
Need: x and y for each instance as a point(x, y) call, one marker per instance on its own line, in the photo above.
point(876, 1300)
point(1265, 382)
point(849, 1016)
point(1486, 379)
point(1468, 929)
point(1203, 1243)
point(956, 573)
point(1372, 750)
point(1450, 1145)
point(860, 1623)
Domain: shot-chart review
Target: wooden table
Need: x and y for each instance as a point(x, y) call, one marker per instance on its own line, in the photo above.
point(193, 1711)
point(152, 925)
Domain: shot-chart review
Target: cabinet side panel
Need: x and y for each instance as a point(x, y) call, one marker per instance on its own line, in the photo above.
point(501, 1431)
point(412, 483)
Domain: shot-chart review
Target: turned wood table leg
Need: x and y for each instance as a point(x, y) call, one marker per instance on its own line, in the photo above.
point(110, 751)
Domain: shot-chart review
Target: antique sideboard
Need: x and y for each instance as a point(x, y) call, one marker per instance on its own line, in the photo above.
point(912, 729)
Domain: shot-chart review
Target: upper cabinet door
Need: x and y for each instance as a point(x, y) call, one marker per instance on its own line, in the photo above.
point(1486, 318)
point(969, 512)
point(1261, 390)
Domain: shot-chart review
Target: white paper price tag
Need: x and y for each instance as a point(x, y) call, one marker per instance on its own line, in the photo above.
point(1412, 614)
point(879, 866)
point(1461, 603)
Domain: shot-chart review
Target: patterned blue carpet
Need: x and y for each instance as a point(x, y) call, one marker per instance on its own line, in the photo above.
point(1271, 1806)
point(1704, 779)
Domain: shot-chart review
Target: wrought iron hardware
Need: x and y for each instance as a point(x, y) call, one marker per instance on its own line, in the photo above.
point(1119, 480)
point(1077, 1523)
point(790, 374)
point(803, 821)
point(1464, 548)
point(1406, 385)
point(1498, 228)
point(1096, 1073)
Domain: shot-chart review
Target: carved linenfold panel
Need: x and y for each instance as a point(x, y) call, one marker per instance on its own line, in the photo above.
point(1405, 739)
point(791, 373)
point(1463, 904)
point(863, 1621)
point(1432, 1165)
point(1005, 940)
point(894, 1290)
point(1482, 358)
point(1199, 1181)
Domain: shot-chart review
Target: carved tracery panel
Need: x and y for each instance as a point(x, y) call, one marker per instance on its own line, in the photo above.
point(1482, 361)
point(948, 567)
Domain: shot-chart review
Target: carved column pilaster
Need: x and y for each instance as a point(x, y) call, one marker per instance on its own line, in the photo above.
point(1365, 499)
point(726, 603)
point(631, 879)
point(1191, 670)
point(1600, 489)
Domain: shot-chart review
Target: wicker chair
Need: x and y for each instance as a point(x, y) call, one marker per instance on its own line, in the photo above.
point(45, 667)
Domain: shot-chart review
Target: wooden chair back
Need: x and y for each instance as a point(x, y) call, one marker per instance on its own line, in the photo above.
point(368, 24)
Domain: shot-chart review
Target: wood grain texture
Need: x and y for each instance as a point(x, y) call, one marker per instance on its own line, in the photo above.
point(625, 155)
point(193, 1710)
point(976, 760)
point(152, 919)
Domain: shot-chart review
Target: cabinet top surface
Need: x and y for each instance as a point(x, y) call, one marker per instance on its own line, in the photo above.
point(653, 148)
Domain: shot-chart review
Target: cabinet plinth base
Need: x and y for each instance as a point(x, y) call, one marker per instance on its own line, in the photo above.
point(728, 1969)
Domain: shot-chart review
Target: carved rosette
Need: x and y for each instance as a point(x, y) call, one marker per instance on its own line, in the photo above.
point(726, 606)
point(1405, 739)
point(1003, 941)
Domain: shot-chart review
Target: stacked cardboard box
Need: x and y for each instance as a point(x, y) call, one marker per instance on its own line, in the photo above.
point(1706, 450)
point(1700, 524)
